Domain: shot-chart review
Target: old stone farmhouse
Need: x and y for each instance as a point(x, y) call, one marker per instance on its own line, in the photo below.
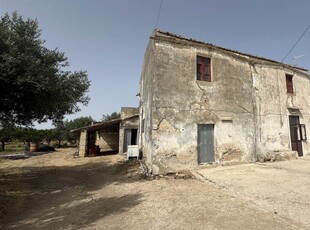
point(110, 136)
point(203, 103)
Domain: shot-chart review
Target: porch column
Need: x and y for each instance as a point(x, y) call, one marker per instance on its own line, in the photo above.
point(83, 143)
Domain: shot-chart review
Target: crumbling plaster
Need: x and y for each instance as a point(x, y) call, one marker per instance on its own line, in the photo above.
point(183, 101)
point(273, 101)
point(146, 105)
point(251, 93)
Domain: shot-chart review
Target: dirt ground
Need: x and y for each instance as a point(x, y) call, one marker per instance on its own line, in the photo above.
point(282, 187)
point(57, 191)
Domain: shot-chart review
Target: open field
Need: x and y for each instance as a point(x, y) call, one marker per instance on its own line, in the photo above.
point(57, 191)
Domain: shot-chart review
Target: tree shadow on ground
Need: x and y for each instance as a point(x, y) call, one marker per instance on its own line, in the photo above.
point(84, 214)
point(65, 197)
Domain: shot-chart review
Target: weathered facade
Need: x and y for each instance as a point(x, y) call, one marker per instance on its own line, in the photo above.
point(202, 103)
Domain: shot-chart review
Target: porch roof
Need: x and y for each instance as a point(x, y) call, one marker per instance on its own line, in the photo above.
point(98, 126)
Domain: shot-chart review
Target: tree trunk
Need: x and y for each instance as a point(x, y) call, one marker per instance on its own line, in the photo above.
point(59, 143)
point(2, 145)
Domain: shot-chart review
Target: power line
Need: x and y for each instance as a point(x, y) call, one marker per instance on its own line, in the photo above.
point(296, 43)
point(161, 2)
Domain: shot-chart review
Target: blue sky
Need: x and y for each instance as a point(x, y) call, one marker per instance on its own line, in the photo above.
point(108, 38)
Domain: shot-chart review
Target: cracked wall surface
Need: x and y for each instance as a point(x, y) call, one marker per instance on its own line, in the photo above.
point(246, 101)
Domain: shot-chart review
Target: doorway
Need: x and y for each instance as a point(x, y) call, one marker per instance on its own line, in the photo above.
point(296, 143)
point(206, 143)
point(130, 138)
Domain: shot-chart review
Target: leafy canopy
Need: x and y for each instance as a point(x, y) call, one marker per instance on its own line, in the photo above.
point(33, 84)
point(111, 116)
point(63, 129)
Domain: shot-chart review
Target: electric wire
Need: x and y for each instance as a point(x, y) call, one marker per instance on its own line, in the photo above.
point(161, 2)
point(296, 43)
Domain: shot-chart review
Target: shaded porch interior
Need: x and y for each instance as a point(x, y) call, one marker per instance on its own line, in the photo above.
point(99, 139)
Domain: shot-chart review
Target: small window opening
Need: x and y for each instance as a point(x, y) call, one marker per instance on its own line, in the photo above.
point(289, 83)
point(203, 69)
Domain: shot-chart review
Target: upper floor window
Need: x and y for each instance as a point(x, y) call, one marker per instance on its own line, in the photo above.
point(203, 68)
point(289, 83)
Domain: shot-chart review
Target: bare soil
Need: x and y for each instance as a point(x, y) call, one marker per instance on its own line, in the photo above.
point(281, 187)
point(57, 191)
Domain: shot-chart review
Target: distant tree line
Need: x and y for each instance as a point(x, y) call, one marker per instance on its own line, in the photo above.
point(112, 116)
point(60, 133)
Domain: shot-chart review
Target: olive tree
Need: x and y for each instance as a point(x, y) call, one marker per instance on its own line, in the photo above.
point(35, 84)
point(5, 136)
point(62, 130)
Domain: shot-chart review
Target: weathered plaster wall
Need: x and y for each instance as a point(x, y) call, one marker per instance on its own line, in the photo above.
point(301, 100)
point(272, 122)
point(181, 102)
point(246, 101)
point(273, 101)
point(146, 104)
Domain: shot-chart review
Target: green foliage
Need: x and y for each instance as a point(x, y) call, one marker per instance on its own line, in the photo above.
point(62, 131)
point(33, 84)
point(6, 134)
point(24, 135)
point(32, 135)
point(111, 116)
point(13, 147)
point(5, 131)
point(79, 122)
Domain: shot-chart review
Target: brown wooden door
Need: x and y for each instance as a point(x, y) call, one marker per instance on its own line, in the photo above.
point(295, 135)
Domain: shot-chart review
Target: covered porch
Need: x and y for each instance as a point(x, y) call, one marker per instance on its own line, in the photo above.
point(99, 139)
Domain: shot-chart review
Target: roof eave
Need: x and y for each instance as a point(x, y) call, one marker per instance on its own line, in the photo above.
point(97, 126)
point(167, 36)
